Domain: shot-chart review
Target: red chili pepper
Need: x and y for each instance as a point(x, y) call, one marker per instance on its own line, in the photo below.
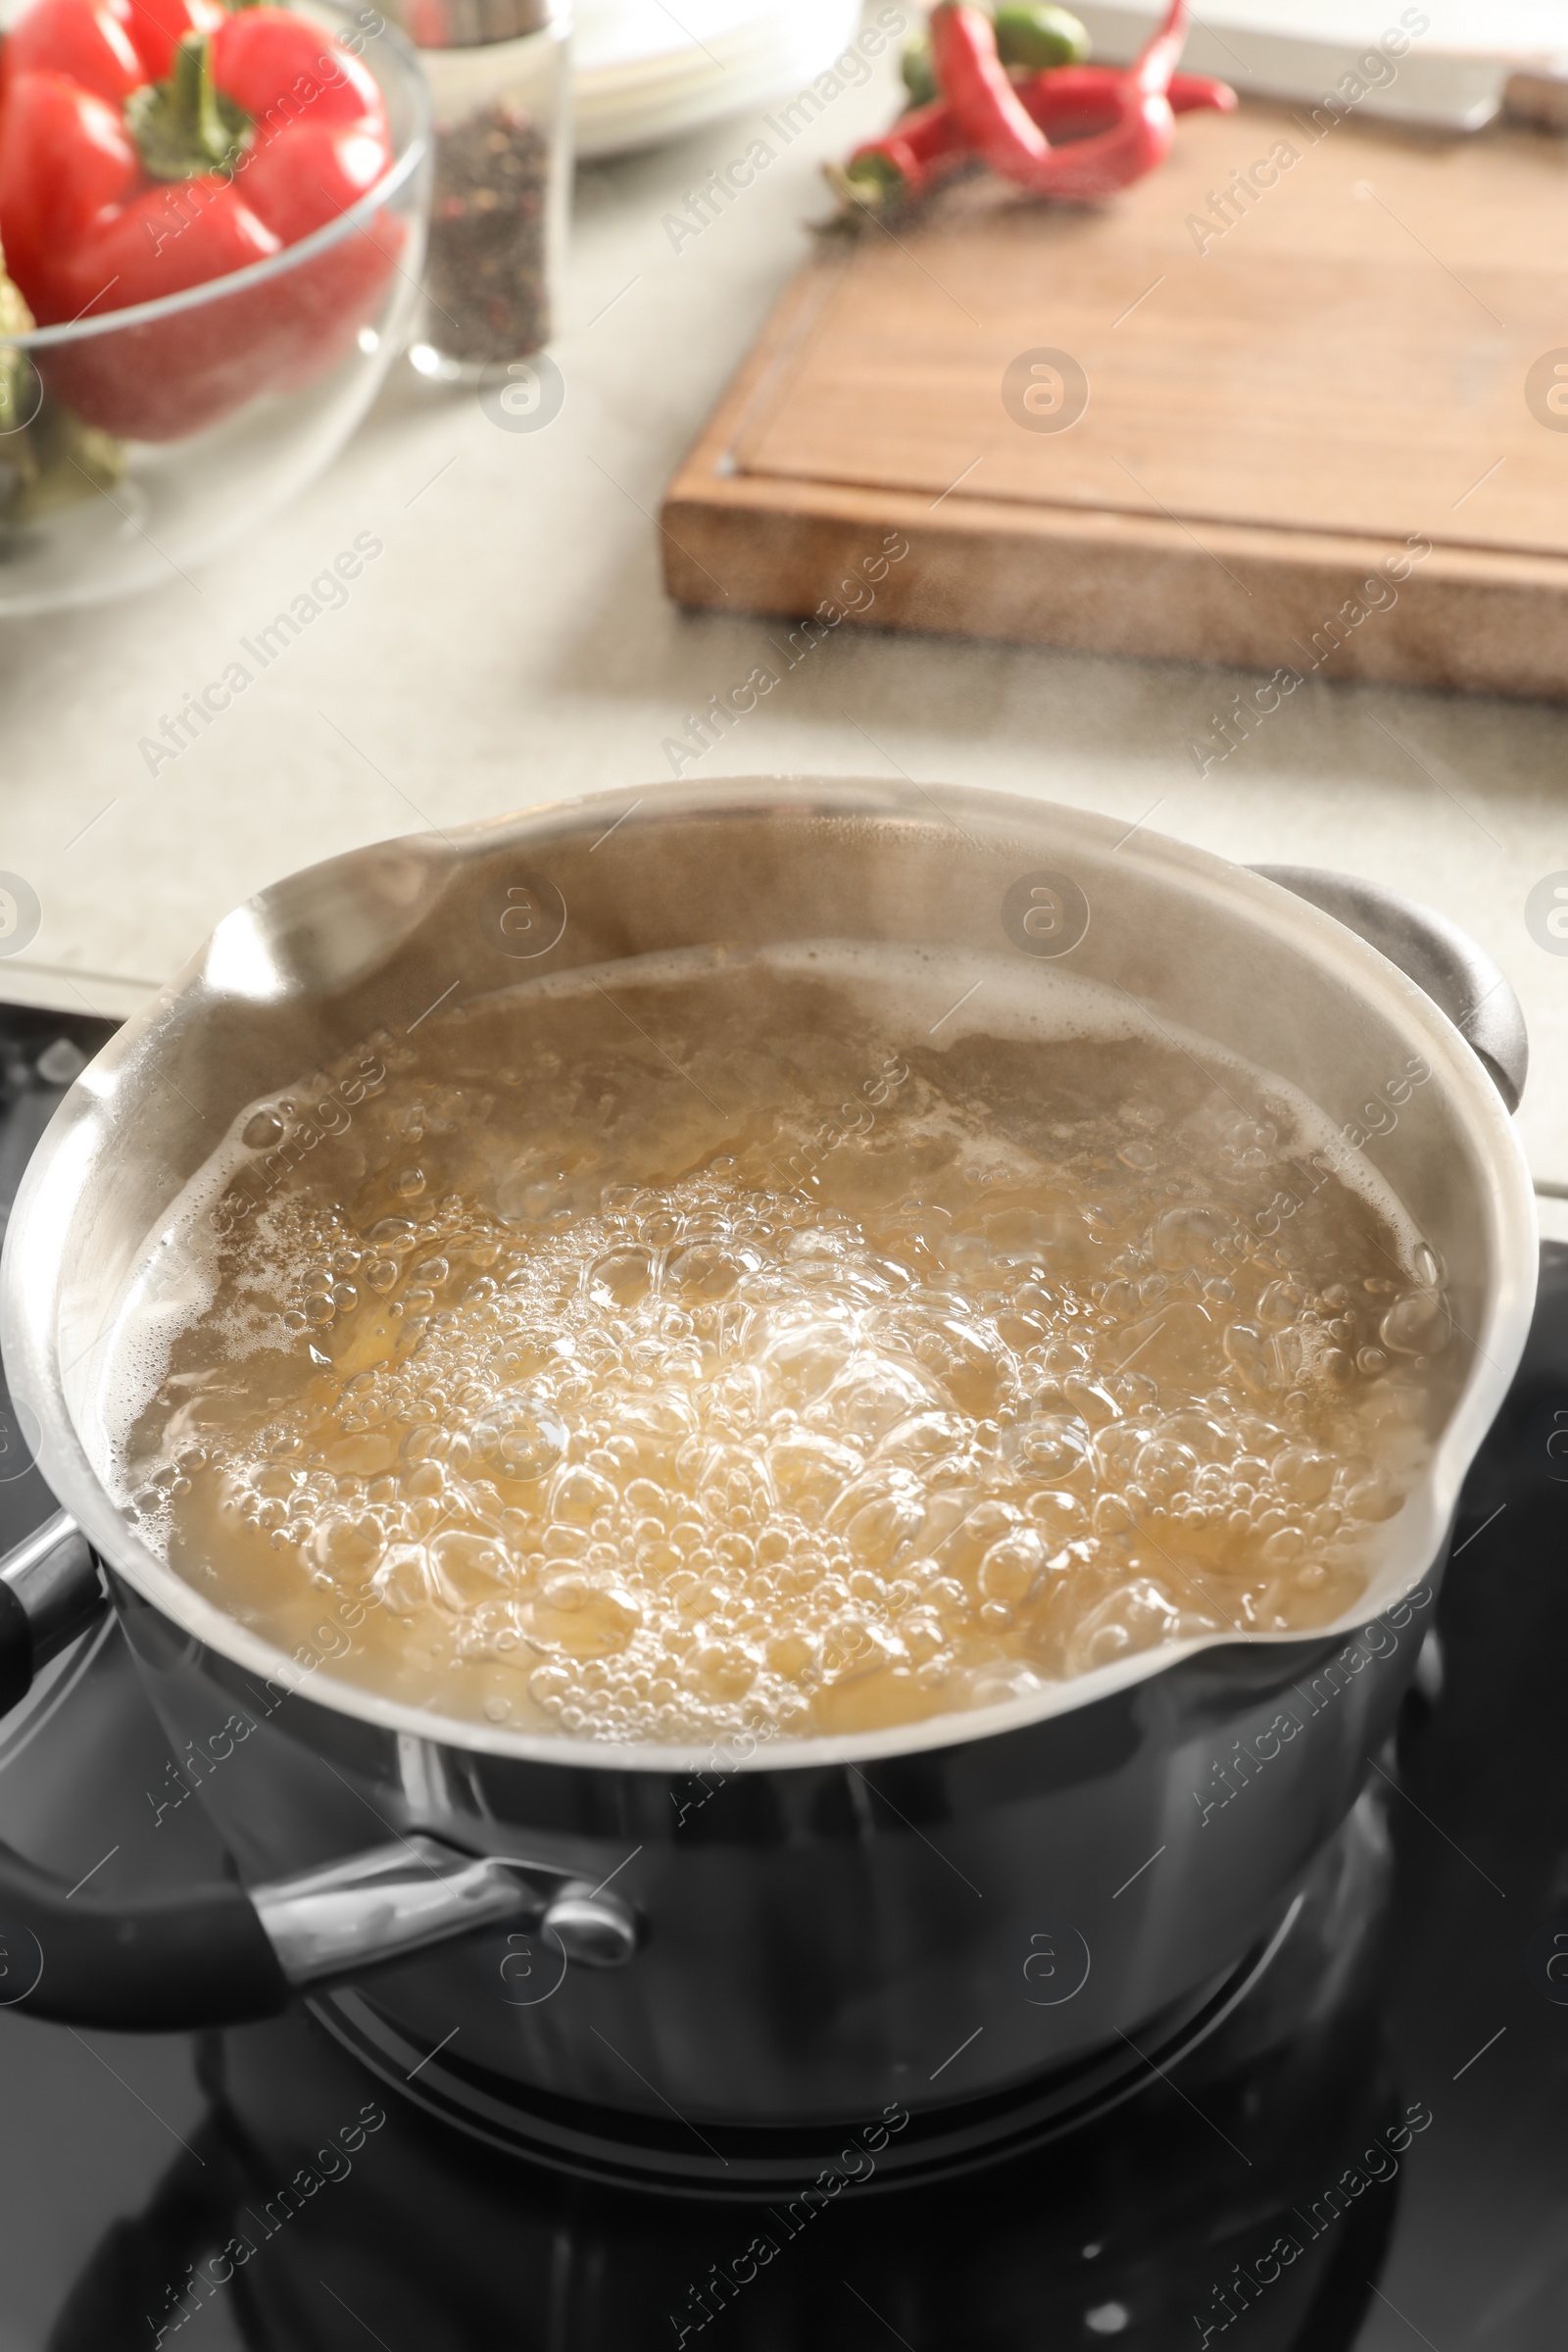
point(1081, 99)
point(149, 146)
point(1062, 101)
point(922, 143)
point(995, 120)
point(988, 111)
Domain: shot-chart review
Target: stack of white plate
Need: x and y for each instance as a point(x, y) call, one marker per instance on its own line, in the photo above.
point(643, 71)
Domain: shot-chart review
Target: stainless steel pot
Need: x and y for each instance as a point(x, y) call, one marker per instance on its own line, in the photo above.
point(678, 1949)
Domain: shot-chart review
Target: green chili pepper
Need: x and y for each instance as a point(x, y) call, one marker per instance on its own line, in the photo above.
point(919, 76)
point(1040, 36)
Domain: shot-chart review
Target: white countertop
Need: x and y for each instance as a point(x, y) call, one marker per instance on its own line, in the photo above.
point(513, 644)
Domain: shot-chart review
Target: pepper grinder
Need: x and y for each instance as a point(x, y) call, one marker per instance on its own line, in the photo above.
point(500, 82)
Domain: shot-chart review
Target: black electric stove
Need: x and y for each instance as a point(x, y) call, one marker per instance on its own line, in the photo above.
point(1363, 2144)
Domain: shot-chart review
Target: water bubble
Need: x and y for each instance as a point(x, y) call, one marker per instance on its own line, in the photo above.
point(1248, 1351)
point(578, 1493)
point(1012, 1568)
point(881, 1527)
point(871, 1393)
point(467, 1568)
point(402, 1582)
point(519, 1439)
point(1304, 1473)
point(1374, 1498)
point(727, 1669)
point(582, 1616)
point(810, 1470)
point(1161, 1465)
point(709, 1269)
point(623, 1276)
point(1051, 1447)
point(1415, 1325)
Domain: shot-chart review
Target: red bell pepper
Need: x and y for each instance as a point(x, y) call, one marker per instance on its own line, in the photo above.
point(994, 119)
point(109, 47)
point(151, 146)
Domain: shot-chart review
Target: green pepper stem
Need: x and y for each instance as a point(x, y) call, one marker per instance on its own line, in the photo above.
point(185, 126)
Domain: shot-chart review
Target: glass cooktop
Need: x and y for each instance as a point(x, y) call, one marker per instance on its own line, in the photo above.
point(1366, 2147)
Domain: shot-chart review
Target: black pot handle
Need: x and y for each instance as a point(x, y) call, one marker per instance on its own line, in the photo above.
point(221, 1954)
point(50, 1591)
point(1458, 976)
point(196, 1958)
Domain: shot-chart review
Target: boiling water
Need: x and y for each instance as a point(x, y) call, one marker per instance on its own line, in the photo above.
point(776, 1343)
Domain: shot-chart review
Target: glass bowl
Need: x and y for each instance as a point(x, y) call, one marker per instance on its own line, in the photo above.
point(321, 321)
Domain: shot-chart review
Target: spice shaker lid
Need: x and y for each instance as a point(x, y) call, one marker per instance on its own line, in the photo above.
point(469, 24)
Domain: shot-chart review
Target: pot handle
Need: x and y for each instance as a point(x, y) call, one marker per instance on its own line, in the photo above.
point(50, 1591)
point(197, 1958)
point(220, 1954)
point(1459, 977)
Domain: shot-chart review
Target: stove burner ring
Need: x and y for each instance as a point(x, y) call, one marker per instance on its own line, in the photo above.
point(613, 2148)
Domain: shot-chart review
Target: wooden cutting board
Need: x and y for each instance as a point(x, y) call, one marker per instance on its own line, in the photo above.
point(1287, 395)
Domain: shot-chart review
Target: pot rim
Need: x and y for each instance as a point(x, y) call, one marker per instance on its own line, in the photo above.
point(27, 1280)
